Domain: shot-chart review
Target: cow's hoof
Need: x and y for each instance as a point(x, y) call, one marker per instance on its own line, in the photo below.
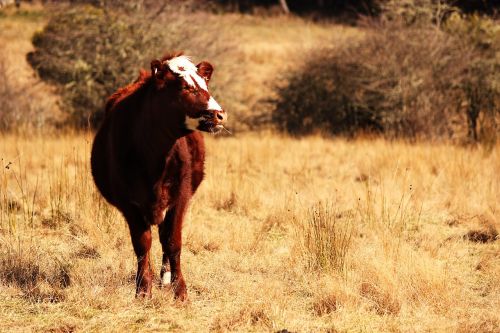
point(179, 288)
point(143, 287)
point(143, 293)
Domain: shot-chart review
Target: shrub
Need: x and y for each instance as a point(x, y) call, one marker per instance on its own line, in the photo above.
point(87, 52)
point(481, 84)
point(405, 79)
point(416, 12)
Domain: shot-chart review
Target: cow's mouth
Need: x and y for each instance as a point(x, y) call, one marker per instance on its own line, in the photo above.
point(208, 122)
point(209, 126)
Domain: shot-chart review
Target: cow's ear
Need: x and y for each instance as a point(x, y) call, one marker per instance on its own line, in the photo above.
point(205, 69)
point(155, 67)
point(161, 74)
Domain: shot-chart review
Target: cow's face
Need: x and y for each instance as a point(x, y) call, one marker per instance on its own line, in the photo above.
point(191, 84)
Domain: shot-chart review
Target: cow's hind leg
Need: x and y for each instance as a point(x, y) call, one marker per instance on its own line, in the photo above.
point(171, 240)
point(140, 233)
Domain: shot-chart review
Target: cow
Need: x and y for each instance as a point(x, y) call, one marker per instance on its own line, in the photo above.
point(148, 163)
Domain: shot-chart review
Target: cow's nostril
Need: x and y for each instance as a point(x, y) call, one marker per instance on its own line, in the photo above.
point(220, 116)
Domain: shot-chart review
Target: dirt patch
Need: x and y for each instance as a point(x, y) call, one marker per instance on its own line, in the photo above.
point(485, 232)
point(482, 236)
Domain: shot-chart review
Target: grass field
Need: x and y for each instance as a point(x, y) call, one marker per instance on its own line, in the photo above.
point(308, 235)
point(395, 245)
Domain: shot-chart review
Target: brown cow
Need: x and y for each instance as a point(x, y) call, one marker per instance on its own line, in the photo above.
point(148, 164)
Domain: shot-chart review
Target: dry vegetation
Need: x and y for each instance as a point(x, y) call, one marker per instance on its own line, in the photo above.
point(307, 235)
point(412, 227)
point(252, 55)
point(18, 84)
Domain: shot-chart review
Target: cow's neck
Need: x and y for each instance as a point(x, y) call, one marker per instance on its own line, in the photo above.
point(162, 125)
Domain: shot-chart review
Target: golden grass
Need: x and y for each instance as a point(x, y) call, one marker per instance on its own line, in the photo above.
point(66, 262)
point(16, 30)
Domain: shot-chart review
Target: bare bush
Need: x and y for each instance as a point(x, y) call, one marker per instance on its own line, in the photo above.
point(405, 79)
point(87, 53)
point(480, 84)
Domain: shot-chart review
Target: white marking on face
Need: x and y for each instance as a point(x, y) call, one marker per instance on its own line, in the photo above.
point(183, 67)
point(213, 105)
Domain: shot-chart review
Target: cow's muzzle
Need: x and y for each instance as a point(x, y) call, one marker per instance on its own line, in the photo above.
point(212, 121)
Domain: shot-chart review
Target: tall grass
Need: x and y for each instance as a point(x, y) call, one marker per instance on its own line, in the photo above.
point(390, 221)
point(260, 252)
point(325, 237)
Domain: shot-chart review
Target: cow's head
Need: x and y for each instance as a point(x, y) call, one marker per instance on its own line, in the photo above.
point(191, 85)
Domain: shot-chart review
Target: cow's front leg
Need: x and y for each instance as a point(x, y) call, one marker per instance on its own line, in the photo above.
point(171, 240)
point(141, 241)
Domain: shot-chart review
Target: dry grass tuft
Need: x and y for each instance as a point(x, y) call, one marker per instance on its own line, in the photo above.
point(325, 305)
point(383, 301)
point(325, 238)
point(57, 220)
point(482, 236)
point(254, 317)
point(39, 279)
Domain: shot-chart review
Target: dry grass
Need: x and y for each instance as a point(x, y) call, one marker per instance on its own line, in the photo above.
point(67, 262)
point(20, 87)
